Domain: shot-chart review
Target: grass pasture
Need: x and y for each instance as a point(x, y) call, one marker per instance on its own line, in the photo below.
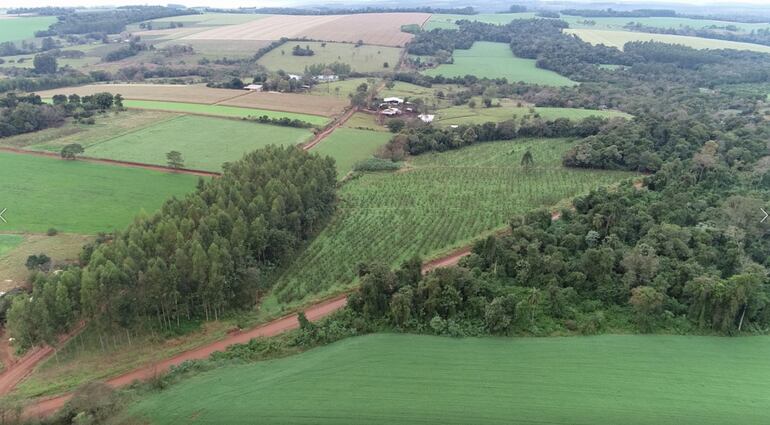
point(463, 114)
point(107, 126)
point(339, 89)
point(439, 201)
point(349, 146)
point(80, 197)
point(9, 242)
point(620, 38)
point(495, 60)
point(22, 28)
point(206, 143)
point(361, 59)
point(447, 21)
point(411, 379)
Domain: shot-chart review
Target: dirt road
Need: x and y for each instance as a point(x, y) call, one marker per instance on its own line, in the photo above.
point(324, 134)
point(48, 406)
point(45, 407)
point(129, 164)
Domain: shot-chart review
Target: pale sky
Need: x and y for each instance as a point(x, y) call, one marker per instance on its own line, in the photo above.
point(289, 3)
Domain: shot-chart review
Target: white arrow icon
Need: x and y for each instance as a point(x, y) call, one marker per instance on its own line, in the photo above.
point(1, 215)
point(761, 221)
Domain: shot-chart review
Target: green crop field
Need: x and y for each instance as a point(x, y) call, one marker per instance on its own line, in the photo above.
point(16, 29)
point(448, 21)
point(441, 200)
point(106, 126)
point(348, 146)
point(79, 197)
point(9, 242)
point(338, 88)
point(205, 143)
point(464, 114)
point(220, 110)
point(212, 19)
point(620, 38)
point(392, 378)
point(495, 60)
point(361, 59)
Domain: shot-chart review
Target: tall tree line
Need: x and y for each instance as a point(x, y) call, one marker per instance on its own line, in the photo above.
point(197, 257)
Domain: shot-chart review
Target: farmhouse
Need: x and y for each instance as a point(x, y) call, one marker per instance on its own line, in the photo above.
point(253, 87)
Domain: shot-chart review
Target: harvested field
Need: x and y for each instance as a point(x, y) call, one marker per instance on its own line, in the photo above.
point(195, 93)
point(289, 102)
point(360, 59)
point(372, 28)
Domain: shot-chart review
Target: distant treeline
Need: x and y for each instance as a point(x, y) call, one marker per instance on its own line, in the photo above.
point(728, 32)
point(666, 13)
point(344, 11)
point(108, 22)
point(25, 114)
point(610, 13)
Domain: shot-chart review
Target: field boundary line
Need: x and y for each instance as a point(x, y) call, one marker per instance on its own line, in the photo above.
point(219, 102)
point(115, 162)
point(136, 130)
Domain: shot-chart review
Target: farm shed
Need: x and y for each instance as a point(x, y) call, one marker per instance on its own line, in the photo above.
point(253, 87)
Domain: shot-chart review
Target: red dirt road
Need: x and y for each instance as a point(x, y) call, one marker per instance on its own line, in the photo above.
point(324, 134)
point(48, 406)
point(16, 372)
point(45, 407)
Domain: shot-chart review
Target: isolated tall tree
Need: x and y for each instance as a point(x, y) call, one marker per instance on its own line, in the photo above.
point(45, 64)
point(175, 160)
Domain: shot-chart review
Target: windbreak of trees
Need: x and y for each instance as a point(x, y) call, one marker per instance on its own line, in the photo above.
point(414, 141)
point(197, 257)
point(111, 21)
point(610, 13)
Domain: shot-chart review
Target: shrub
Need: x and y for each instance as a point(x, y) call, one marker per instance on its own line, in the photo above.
point(376, 164)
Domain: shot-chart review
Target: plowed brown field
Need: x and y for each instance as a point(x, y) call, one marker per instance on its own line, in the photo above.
point(315, 105)
point(372, 28)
